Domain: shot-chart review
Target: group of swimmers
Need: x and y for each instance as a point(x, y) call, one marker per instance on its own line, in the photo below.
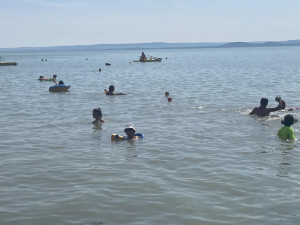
point(53, 79)
point(97, 115)
point(129, 128)
point(285, 132)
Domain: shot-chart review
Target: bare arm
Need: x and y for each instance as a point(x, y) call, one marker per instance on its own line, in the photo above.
point(253, 111)
point(281, 105)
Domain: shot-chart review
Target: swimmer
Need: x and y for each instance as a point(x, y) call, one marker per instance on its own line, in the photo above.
point(54, 78)
point(263, 111)
point(111, 91)
point(293, 108)
point(97, 115)
point(287, 132)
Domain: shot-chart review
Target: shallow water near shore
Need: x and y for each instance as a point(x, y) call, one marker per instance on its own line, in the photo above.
point(204, 160)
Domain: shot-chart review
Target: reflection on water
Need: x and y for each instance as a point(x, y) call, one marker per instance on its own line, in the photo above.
point(97, 126)
point(287, 152)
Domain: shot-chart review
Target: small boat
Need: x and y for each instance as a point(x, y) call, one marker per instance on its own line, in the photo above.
point(8, 63)
point(3, 63)
point(149, 60)
point(143, 58)
point(59, 88)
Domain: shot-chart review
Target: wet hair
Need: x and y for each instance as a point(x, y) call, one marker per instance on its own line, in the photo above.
point(111, 88)
point(264, 101)
point(288, 120)
point(60, 82)
point(98, 111)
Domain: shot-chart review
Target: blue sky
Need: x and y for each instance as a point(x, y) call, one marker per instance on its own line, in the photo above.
point(30, 23)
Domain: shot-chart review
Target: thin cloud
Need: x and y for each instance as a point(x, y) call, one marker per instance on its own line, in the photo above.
point(53, 4)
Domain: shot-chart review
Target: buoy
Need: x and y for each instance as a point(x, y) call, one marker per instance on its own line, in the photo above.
point(169, 99)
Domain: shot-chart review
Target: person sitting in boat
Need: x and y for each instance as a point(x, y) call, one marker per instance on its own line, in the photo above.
point(61, 82)
point(143, 57)
point(97, 115)
point(111, 91)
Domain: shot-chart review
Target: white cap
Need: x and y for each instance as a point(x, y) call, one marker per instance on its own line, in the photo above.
point(129, 126)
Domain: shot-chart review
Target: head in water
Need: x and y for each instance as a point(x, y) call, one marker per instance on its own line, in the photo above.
point(289, 120)
point(264, 102)
point(111, 88)
point(97, 114)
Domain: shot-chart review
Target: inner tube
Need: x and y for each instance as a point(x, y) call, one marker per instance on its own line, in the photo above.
point(59, 88)
point(140, 135)
point(116, 137)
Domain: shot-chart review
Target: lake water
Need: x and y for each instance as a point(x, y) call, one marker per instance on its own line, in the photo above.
point(204, 160)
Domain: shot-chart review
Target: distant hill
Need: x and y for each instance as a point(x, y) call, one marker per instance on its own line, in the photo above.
point(158, 45)
point(153, 45)
point(261, 44)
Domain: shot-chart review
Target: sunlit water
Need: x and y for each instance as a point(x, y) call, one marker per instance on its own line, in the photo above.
point(204, 160)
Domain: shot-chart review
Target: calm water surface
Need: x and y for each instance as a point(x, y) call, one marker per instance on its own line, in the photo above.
point(203, 159)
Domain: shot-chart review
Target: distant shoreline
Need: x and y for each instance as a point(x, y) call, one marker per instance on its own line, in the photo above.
point(159, 45)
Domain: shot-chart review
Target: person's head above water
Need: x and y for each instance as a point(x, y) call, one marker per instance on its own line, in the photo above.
point(264, 102)
point(97, 113)
point(111, 88)
point(60, 82)
point(289, 120)
point(130, 130)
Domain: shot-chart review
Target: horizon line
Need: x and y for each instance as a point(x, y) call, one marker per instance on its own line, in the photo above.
point(141, 43)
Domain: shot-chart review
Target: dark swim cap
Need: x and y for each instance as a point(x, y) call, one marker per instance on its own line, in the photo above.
point(264, 101)
point(288, 120)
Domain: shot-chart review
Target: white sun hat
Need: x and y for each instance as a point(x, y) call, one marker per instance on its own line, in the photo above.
point(129, 126)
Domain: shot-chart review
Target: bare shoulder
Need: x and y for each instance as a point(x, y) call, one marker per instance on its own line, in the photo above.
point(254, 111)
